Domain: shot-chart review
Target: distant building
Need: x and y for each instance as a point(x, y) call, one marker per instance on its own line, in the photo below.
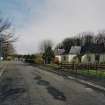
point(73, 56)
point(93, 54)
point(58, 54)
point(83, 54)
point(88, 58)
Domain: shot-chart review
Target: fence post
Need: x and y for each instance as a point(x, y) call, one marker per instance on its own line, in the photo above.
point(96, 69)
point(88, 66)
point(76, 66)
point(73, 67)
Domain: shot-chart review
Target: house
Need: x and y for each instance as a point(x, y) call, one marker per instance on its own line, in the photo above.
point(93, 54)
point(83, 54)
point(93, 58)
point(88, 58)
point(58, 55)
point(102, 58)
point(72, 56)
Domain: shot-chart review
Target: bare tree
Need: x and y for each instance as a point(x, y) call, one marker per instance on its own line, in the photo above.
point(100, 38)
point(45, 44)
point(6, 38)
point(4, 25)
point(87, 38)
point(48, 53)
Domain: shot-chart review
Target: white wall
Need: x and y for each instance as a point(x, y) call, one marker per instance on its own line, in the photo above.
point(73, 58)
point(59, 57)
point(102, 58)
point(64, 58)
point(85, 58)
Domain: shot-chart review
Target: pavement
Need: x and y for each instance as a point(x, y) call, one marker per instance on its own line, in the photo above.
point(23, 84)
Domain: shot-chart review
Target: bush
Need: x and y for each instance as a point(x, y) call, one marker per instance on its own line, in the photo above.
point(38, 60)
point(29, 58)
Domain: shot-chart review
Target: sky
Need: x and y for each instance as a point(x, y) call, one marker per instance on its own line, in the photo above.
point(38, 20)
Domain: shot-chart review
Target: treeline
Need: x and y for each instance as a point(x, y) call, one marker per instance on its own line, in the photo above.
point(29, 58)
point(86, 39)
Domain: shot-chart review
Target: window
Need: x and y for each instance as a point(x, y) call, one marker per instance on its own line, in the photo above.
point(97, 57)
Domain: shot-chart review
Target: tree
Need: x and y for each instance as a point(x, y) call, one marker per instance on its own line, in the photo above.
point(100, 38)
point(87, 38)
point(77, 41)
point(67, 43)
point(29, 58)
point(6, 38)
point(82, 39)
point(45, 44)
point(48, 53)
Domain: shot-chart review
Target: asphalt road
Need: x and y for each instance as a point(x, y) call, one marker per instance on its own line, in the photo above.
point(22, 84)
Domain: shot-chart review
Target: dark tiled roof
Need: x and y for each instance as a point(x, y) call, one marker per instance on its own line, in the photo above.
point(93, 49)
point(75, 50)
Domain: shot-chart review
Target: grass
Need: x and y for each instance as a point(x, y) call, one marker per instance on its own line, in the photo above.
point(52, 66)
point(93, 73)
point(84, 72)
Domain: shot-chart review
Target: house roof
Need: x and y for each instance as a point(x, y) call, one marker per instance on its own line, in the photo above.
point(75, 50)
point(93, 49)
point(59, 51)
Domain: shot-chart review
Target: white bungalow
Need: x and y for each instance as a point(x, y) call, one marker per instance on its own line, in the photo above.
point(93, 54)
point(82, 54)
point(93, 58)
point(88, 58)
point(102, 58)
point(73, 56)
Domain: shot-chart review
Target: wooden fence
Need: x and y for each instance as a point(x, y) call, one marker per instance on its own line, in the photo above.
point(94, 69)
point(83, 66)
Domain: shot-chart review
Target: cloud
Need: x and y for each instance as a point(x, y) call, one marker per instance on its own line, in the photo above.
point(57, 19)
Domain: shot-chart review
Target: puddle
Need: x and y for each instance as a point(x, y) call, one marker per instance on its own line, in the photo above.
point(43, 83)
point(56, 93)
point(37, 77)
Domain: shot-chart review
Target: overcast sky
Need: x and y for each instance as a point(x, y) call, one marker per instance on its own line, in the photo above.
point(36, 20)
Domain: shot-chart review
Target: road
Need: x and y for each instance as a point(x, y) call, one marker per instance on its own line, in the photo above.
point(23, 84)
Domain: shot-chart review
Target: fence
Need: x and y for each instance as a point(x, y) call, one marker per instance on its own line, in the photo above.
point(97, 70)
